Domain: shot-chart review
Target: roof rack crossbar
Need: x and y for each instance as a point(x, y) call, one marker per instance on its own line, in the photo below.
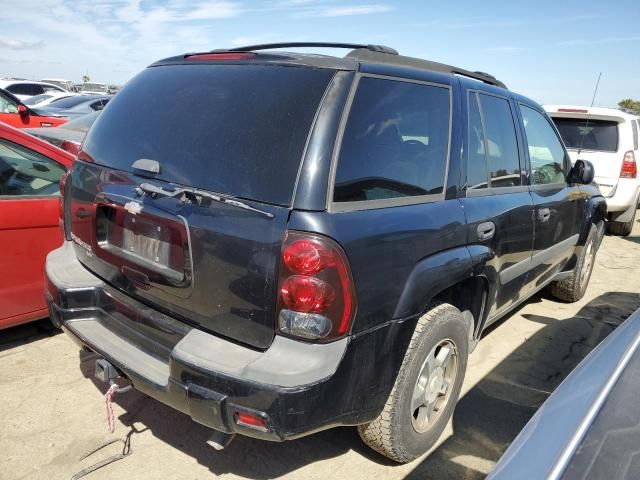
point(352, 46)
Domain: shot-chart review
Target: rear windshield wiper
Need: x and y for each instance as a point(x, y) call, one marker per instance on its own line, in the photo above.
point(195, 196)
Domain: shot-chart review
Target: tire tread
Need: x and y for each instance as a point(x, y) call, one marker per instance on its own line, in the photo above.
point(379, 434)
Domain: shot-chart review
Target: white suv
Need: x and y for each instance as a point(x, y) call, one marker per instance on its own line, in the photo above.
point(608, 138)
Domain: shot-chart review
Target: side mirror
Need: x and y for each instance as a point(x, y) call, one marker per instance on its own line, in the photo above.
point(22, 110)
point(582, 172)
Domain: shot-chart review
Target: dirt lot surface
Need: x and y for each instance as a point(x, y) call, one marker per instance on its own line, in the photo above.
point(52, 413)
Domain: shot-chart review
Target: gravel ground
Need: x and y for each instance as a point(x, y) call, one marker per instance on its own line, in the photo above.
point(52, 413)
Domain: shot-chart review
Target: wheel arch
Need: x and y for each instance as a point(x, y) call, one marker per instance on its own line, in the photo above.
point(595, 214)
point(457, 276)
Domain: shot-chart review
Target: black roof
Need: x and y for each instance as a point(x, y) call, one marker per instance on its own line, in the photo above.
point(359, 53)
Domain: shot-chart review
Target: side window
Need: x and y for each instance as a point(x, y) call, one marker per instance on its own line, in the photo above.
point(501, 143)
point(634, 127)
point(99, 105)
point(477, 174)
point(7, 105)
point(395, 143)
point(24, 172)
point(51, 89)
point(545, 150)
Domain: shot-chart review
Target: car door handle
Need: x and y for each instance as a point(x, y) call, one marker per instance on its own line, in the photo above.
point(486, 230)
point(82, 213)
point(544, 214)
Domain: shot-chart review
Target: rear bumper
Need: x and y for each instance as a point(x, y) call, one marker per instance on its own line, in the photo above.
point(625, 195)
point(296, 387)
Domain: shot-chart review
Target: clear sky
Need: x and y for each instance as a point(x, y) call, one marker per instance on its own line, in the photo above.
point(550, 51)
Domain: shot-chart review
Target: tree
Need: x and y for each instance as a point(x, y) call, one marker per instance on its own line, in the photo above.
point(631, 105)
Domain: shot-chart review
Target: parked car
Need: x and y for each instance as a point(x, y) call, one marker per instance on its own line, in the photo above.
point(24, 89)
point(94, 88)
point(61, 82)
point(587, 428)
point(30, 171)
point(289, 242)
point(15, 113)
point(68, 136)
point(39, 101)
point(608, 138)
point(75, 106)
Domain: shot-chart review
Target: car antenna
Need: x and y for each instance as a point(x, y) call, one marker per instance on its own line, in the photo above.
point(593, 99)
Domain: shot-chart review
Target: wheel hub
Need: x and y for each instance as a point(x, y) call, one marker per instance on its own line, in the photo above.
point(433, 386)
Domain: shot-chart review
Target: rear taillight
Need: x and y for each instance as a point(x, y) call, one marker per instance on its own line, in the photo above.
point(62, 217)
point(70, 146)
point(629, 167)
point(316, 299)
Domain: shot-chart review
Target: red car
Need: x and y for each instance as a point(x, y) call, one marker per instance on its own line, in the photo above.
point(30, 171)
point(13, 112)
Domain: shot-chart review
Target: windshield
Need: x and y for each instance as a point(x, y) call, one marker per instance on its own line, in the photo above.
point(69, 102)
point(599, 135)
point(36, 99)
point(93, 87)
point(234, 129)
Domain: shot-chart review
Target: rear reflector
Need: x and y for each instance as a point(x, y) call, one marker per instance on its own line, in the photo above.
point(573, 110)
point(221, 56)
point(252, 421)
point(629, 166)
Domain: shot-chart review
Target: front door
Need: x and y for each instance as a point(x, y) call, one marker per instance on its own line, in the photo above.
point(559, 206)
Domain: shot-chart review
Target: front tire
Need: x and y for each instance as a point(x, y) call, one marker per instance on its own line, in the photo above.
point(426, 389)
point(573, 288)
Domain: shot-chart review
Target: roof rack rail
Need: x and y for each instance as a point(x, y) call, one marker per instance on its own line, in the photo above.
point(353, 46)
point(372, 56)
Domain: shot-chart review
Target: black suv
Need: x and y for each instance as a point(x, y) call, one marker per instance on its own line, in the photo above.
point(279, 243)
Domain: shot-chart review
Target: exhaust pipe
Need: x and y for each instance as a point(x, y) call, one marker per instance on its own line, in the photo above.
point(220, 440)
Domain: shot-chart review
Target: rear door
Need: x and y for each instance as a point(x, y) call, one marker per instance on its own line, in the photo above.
point(559, 206)
point(498, 205)
point(29, 212)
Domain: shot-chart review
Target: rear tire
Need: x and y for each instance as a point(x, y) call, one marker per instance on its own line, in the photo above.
point(622, 229)
point(432, 372)
point(573, 288)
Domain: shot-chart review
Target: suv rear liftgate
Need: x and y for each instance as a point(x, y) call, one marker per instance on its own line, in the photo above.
point(208, 253)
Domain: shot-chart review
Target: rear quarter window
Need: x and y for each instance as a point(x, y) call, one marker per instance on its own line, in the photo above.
point(395, 142)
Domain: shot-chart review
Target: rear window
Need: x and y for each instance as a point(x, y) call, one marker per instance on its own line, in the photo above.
point(234, 129)
point(599, 135)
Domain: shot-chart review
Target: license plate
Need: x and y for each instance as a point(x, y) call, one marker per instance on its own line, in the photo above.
point(147, 240)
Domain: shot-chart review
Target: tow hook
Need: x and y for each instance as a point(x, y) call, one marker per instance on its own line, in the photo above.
point(109, 374)
point(219, 440)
